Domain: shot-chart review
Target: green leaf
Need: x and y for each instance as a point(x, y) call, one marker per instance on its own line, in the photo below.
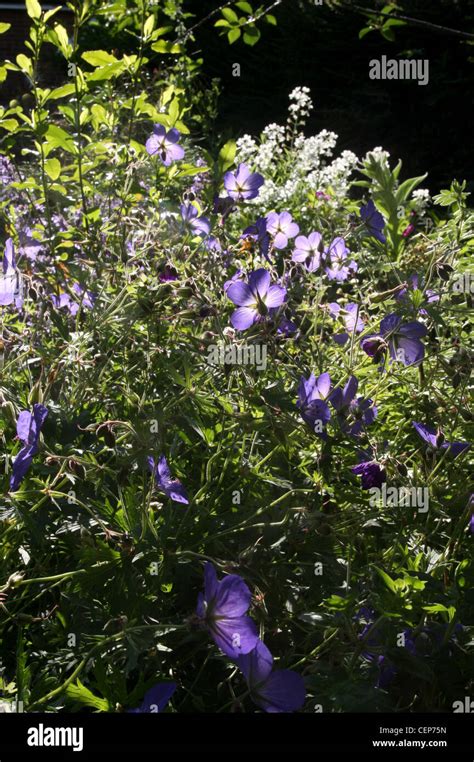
point(230, 15)
point(227, 155)
point(61, 92)
point(4, 27)
point(251, 35)
point(244, 7)
point(166, 46)
point(9, 124)
point(99, 58)
point(106, 72)
point(25, 63)
point(33, 9)
point(84, 696)
point(149, 26)
point(59, 138)
point(407, 187)
point(233, 35)
point(52, 167)
point(271, 19)
point(390, 583)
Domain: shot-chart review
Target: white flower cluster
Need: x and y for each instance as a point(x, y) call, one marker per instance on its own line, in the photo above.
point(421, 198)
point(378, 155)
point(293, 164)
point(301, 104)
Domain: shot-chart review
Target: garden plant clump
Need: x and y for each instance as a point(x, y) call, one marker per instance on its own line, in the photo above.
point(234, 401)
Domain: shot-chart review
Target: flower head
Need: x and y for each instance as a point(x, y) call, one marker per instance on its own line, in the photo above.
point(11, 285)
point(222, 608)
point(164, 144)
point(308, 250)
point(155, 699)
point(242, 184)
point(437, 441)
point(312, 395)
point(372, 473)
point(350, 315)
point(280, 690)
point(373, 220)
point(338, 267)
point(198, 225)
point(171, 487)
point(282, 228)
point(254, 299)
point(402, 340)
point(28, 429)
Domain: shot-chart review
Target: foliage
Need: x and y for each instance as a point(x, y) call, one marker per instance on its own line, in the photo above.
point(122, 261)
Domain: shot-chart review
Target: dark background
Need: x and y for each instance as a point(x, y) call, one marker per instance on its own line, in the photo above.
point(430, 127)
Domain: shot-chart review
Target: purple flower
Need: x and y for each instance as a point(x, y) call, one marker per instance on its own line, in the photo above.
point(171, 487)
point(312, 395)
point(64, 300)
point(29, 246)
point(285, 326)
point(165, 144)
point(222, 608)
point(281, 690)
point(363, 412)
point(308, 250)
point(372, 473)
point(281, 227)
point(199, 225)
point(155, 699)
point(28, 429)
point(255, 299)
point(373, 220)
point(339, 268)
point(11, 287)
point(402, 339)
point(168, 273)
point(435, 439)
point(341, 398)
point(259, 234)
point(243, 184)
point(353, 414)
point(350, 316)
